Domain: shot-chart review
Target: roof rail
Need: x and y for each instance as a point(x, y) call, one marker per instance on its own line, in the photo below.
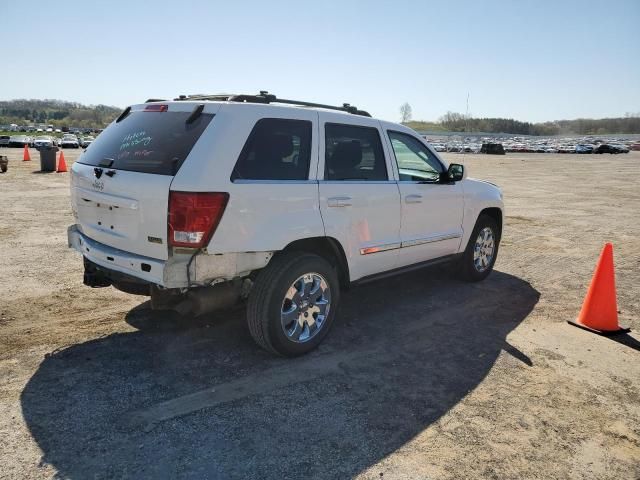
point(266, 97)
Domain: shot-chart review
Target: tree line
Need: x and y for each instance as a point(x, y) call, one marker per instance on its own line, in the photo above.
point(56, 112)
point(458, 122)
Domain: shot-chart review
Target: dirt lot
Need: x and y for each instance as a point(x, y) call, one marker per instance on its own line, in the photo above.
point(422, 377)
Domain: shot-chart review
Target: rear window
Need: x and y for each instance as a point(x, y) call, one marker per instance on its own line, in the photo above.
point(147, 142)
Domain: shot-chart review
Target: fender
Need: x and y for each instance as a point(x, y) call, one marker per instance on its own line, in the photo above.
point(478, 196)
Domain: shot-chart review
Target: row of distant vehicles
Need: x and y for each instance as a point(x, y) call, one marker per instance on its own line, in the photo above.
point(67, 140)
point(44, 129)
point(517, 145)
point(568, 148)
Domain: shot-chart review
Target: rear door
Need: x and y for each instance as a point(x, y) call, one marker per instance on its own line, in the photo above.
point(120, 186)
point(359, 199)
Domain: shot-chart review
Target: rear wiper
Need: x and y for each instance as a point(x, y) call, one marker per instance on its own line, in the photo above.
point(106, 162)
point(195, 114)
point(123, 115)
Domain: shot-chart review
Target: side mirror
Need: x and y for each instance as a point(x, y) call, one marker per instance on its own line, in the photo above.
point(455, 173)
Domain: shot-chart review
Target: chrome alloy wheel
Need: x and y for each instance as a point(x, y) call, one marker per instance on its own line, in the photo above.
point(484, 249)
point(305, 307)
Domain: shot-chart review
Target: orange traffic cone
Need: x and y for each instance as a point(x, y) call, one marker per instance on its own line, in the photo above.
point(62, 165)
point(599, 313)
point(26, 157)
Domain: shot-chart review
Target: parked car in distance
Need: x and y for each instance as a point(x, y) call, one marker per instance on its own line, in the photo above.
point(567, 149)
point(207, 200)
point(86, 141)
point(621, 148)
point(44, 141)
point(607, 148)
point(4, 140)
point(69, 141)
point(20, 141)
point(492, 148)
point(584, 149)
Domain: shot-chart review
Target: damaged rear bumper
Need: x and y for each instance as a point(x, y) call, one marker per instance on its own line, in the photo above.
point(204, 269)
point(147, 269)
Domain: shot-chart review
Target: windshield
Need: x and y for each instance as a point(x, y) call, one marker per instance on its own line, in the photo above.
point(148, 142)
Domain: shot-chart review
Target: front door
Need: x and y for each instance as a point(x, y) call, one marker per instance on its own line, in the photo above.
point(431, 211)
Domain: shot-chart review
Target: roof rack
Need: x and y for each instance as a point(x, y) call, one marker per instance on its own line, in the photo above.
point(266, 97)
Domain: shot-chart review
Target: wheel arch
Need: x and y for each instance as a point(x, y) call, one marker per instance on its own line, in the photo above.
point(330, 249)
point(496, 214)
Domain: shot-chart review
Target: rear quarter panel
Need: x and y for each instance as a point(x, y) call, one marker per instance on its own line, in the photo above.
point(261, 215)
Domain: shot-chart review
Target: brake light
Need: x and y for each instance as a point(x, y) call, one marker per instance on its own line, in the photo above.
point(194, 216)
point(156, 107)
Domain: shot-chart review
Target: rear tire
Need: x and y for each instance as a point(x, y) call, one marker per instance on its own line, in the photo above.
point(480, 255)
point(293, 303)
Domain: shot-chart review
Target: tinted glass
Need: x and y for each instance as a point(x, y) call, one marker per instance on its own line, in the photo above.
point(148, 142)
point(353, 153)
point(277, 149)
point(415, 160)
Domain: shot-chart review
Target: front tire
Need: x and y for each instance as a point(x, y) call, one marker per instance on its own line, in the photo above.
point(293, 303)
point(480, 255)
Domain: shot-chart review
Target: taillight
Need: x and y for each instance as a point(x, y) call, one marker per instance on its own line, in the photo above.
point(194, 216)
point(156, 107)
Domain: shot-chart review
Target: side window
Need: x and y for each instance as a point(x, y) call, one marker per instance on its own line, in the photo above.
point(415, 162)
point(277, 149)
point(353, 153)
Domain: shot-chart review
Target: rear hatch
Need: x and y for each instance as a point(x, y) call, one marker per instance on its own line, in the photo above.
point(120, 186)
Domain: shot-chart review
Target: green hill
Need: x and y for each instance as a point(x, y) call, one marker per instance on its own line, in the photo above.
point(56, 112)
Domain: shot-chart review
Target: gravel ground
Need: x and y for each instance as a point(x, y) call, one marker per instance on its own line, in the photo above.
point(422, 377)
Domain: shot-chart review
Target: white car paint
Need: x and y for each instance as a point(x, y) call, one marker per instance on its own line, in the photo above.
point(262, 215)
point(377, 228)
point(43, 142)
point(431, 214)
point(364, 216)
point(119, 213)
point(69, 141)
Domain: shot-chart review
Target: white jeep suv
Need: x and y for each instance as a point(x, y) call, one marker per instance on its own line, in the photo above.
point(205, 201)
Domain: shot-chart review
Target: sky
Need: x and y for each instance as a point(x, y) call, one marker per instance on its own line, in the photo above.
point(529, 60)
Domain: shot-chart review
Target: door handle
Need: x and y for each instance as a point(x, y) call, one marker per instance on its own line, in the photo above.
point(413, 198)
point(339, 201)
